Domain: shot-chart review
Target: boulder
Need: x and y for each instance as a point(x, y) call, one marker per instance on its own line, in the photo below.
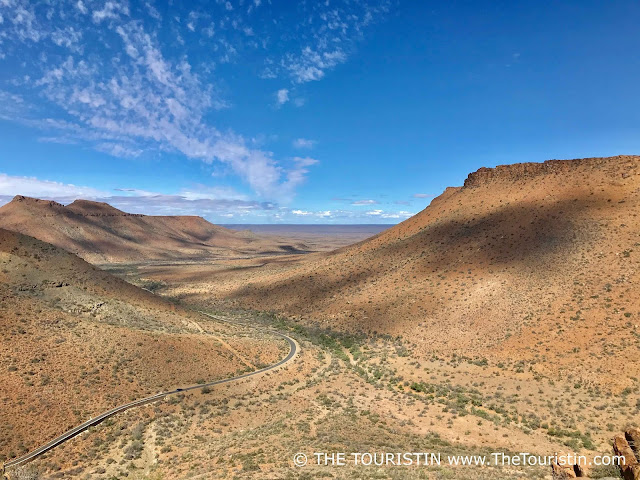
point(562, 472)
point(633, 437)
point(630, 469)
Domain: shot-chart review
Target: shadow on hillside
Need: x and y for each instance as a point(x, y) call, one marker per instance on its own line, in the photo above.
point(513, 235)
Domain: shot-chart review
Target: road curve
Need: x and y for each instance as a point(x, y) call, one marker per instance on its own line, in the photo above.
point(28, 457)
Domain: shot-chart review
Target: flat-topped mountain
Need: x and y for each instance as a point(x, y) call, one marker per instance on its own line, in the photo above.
point(100, 233)
point(77, 341)
point(528, 261)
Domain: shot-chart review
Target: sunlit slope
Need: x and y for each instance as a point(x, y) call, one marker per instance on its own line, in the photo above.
point(100, 233)
point(533, 260)
point(76, 341)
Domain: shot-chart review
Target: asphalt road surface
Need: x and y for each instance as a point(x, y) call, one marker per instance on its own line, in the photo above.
point(293, 348)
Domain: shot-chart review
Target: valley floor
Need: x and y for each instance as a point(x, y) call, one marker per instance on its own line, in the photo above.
point(349, 394)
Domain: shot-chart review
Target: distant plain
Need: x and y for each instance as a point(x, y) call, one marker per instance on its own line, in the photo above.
point(318, 237)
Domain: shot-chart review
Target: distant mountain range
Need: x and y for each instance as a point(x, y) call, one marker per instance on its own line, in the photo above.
point(68, 330)
point(100, 233)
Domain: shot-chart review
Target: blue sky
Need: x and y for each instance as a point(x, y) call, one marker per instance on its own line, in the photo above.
point(304, 112)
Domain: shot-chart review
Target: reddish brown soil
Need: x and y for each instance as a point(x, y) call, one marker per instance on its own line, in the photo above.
point(77, 341)
point(100, 233)
point(533, 262)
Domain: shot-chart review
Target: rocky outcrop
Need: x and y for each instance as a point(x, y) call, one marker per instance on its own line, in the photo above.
point(633, 437)
point(27, 201)
point(630, 468)
point(82, 208)
point(562, 472)
point(524, 171)
point(88, 208)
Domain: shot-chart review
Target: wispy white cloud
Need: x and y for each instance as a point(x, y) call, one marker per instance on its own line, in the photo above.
point(11, 105)
point(348, 216)
point(212, 208)
point(153, 11)
point(218, 203)
point(389, 215)
point(422, 195)
point(144, 101)
point(303, 162)
point(302, 213)
point(118, 150)
point(364, 202)
point(199, 200)
point(303, 143)
point(81, 7)
point(330, 33)
point(311, 65)
point(297, 175)
point(110, 10)
point(105, 75)
point(201, 192)
point(282, 96)
point(33, 187)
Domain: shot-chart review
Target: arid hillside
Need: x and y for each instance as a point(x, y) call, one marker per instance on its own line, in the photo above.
point(536, 262)
point(76, 341)
point(100, 233)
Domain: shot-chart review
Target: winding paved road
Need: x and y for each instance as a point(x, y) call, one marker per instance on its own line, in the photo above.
point(293, 349)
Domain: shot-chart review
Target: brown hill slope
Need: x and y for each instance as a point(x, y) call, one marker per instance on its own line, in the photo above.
point(76, 341)
point(100, 233)
point(537, 262)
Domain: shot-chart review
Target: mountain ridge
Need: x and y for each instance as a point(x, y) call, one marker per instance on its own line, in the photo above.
point(526, 170)
point(68, 330)
point(530, 262)
point(101, 233)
